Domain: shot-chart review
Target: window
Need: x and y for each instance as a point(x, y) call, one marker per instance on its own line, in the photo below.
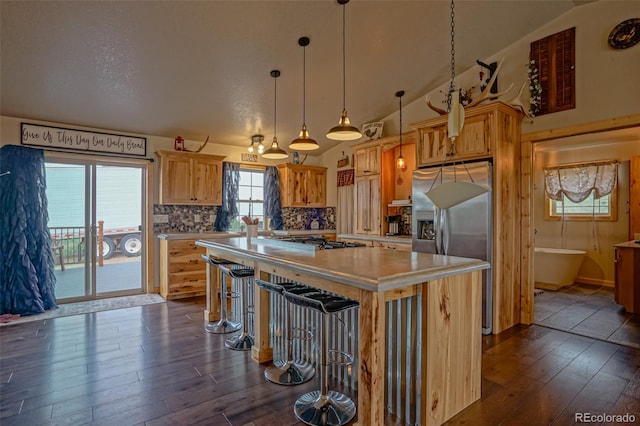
point(581, 191)
point(250, 198)
point(602, 209)
point(554, 57)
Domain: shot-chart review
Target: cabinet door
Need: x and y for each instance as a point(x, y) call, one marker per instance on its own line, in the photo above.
point(375, 221)
point(176, 181)
point(474, 140)
point(367, 161)
point(316, 188)
point(432, 146)
point(206, 185)
point(367, 206)
point(362, 207)
point(296, 192)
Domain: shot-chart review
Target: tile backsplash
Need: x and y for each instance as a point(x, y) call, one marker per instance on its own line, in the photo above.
point(170, 219)
point(302, 217)
point(186, 219)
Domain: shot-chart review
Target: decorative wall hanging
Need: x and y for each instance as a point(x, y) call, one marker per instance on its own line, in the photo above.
point(81, 140)
point(625, 34)
point(373, 130)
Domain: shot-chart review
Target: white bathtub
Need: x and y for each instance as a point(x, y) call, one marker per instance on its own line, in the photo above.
point(554, 268)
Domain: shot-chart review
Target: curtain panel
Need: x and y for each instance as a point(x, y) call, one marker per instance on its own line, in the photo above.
point(27, 279)
point(577, 181)
point(229, 208)
point(272, 203)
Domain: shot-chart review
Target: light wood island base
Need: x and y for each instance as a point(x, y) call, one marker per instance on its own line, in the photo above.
point(450, 376)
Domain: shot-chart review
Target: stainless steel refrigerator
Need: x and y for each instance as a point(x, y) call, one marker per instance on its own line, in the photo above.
point(464, 230)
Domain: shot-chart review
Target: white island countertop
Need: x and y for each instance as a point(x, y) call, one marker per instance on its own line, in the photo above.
point(370, 268)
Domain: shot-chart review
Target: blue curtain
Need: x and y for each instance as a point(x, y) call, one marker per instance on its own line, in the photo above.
point(27, 279)
point(272, 204)
point(229, 208)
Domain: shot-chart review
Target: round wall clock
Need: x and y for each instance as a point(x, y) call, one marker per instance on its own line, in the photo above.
point(625, 34)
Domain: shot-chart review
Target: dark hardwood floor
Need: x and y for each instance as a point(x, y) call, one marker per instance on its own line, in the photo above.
point(155, 365)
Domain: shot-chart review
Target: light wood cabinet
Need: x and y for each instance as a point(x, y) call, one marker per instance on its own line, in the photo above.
point(627, 276)
point(182, 271)
point(303, 186)
point(491, 131)
point(474, 142)
point(191, 179)
point(368, 205)
point(378, 181)
point(368, 161)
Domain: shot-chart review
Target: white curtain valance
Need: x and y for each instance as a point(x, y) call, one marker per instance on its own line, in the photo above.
point(576, 181)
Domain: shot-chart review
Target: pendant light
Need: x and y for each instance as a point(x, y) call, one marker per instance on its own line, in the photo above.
point(257, 139)
point(344, 131)
point(450, 194)
point(275, 152)
point(400, 163)
point(304, 142)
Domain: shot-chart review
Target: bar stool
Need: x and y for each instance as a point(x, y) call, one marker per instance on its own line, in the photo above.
point(244, 277)
point(288, 371)
point(224, 325)
point(324, 407)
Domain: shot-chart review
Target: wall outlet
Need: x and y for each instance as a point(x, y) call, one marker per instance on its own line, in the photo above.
point(196, 218)
point(160, 218)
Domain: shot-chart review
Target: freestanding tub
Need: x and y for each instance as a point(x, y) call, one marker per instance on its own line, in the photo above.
point(554, 268)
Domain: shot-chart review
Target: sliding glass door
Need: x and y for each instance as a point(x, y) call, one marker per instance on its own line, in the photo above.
point(96, 220)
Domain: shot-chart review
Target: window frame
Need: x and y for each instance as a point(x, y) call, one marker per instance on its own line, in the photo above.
point(263, 222)
point(584, 217)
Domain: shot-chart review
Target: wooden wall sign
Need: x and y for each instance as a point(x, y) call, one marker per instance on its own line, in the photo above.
point(81, 140)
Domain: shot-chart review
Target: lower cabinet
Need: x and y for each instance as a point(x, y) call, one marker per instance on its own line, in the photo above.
point(183, 273)
point(627, 276)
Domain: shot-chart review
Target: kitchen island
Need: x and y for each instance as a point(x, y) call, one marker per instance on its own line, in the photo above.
point(449, 290)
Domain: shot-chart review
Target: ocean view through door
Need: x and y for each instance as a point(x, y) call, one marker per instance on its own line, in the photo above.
point(96, 223)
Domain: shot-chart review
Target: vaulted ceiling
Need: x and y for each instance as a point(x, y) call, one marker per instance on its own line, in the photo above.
point(198, 68)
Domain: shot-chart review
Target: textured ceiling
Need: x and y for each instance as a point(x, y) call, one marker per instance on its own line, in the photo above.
point(198, 68)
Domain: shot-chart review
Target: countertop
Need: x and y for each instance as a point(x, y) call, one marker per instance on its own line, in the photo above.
point(196, 235)
point(213, 234)
point(288, 232)
point(370, 268)
point(632, 244)
point(397, 239)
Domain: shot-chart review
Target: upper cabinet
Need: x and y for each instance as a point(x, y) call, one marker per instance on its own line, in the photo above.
point(188, 178)
point(476, 141)
point(303, 186)
point(368, 160)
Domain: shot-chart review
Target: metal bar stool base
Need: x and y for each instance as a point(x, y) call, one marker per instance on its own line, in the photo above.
point(242, 342)
point(334, 409)
point(289, 373)
point(222, 327)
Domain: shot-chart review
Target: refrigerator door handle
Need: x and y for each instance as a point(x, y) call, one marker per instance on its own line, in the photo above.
point(438, 230)
point(444, 222)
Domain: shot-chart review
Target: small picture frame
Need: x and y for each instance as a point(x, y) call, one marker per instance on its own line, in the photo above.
point(373, 130)
point(253, 158)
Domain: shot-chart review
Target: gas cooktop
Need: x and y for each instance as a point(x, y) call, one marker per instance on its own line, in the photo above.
point(310, 243)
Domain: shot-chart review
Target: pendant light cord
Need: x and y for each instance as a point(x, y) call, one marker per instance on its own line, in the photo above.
point(304, 85)
point(453, 57)
point(275, 104)
point(344, 60)
point(400, 101)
